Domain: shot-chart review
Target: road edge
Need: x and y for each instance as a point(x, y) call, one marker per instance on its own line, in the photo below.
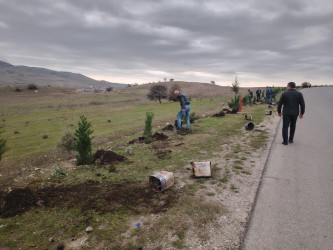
point(250, 216)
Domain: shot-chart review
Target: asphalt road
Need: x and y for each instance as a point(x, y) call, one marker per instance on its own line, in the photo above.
point(294, 205)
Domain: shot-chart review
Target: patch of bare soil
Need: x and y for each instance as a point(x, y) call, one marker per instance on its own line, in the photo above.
point(157, 137)
point(134, 196)
point(168, 128)
point(141, 139)
point(230, 111)
point(107, 157)
point(160, 137)
point(219, 114)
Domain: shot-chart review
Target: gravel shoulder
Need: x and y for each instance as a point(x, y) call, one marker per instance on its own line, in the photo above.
point(229, 230)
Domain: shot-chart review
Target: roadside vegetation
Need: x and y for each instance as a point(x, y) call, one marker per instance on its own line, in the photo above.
point(3, 147)
point(64, 197)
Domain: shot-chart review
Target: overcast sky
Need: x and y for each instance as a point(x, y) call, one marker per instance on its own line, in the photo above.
point(259, 41)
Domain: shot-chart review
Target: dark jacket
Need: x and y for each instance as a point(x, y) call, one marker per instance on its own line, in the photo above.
point(183, 100)
point(291, 100)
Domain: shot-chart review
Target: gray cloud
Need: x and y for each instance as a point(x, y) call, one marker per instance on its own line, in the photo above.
point(142, 41)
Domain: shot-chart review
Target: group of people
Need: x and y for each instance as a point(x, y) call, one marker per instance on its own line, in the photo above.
point(291, 100)
point(270, 95)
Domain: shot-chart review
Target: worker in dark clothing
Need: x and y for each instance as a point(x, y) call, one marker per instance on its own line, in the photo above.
point(258, 92)
point(291, 101)
point(268, 94)
point(185, 108)
point(250, 95)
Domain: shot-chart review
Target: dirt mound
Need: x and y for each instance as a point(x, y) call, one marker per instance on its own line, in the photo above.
point(106, 197)
point(16, 202)
point(141, 139)
point(160, 137)
point(156, 136)
point(228, 111)
point(220, 114)
point(168, 128)
point(107, 157)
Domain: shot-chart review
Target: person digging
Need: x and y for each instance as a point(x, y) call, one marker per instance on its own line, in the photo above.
point(185, 108)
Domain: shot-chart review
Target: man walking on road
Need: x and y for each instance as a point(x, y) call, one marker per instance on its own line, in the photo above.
point(291, 101)
point(185, 107)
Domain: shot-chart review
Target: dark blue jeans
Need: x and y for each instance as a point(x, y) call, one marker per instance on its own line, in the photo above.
point(181, 113)
point(289, 120)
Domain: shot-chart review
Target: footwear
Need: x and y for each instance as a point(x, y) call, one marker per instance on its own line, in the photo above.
point(291, 141)
point(285, 143)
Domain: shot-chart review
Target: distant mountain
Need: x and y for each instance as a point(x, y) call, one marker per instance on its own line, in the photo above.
point(10, 74)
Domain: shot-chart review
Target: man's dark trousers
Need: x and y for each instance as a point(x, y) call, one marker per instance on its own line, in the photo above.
point(289, 120)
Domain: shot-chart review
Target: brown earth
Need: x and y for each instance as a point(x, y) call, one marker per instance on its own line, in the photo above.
point(160, 137)
point(107, 157)
point(156, 136)
point(168, 128)
point(225, 111)
point(220, 114)
point(141, 139)
point(230, 111)
point(103, 198)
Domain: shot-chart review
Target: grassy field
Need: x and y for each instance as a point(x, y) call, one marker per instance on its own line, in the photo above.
point(33, 115)
point(67, 198)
